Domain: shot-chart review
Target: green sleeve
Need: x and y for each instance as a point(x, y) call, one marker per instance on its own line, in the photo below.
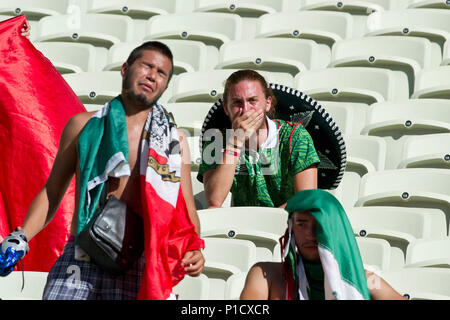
point(303, 153)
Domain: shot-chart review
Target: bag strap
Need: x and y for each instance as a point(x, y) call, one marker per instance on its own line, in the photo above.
point(103, 196)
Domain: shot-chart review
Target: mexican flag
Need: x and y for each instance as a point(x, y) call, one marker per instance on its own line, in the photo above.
point(343, 271)
point(35, 104)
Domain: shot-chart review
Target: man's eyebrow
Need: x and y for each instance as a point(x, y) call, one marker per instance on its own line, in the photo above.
point(301, 219)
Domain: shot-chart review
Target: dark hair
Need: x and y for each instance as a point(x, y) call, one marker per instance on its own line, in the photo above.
point(155, 46)
point(251, 75)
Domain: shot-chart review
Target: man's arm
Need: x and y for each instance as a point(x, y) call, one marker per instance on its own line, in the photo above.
point(186, 184)
point(46, 202)
point(304, 180)
point(380, 290)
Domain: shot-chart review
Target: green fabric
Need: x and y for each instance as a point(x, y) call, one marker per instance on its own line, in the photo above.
point(102, 148)
point(268, 182)
point(315, 275)
point(334, 233)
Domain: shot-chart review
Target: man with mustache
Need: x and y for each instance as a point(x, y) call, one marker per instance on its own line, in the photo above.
point(139, 128)
point(321, 259)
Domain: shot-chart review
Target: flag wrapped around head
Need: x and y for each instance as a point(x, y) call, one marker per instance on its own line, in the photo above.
point(344, 275)
point(35, 104)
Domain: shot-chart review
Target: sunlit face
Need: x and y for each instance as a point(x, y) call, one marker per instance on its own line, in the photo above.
point(244, 96)
point(304, 228)
point(146, 79)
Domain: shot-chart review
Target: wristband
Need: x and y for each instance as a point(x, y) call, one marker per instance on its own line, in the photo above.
point(231, 152)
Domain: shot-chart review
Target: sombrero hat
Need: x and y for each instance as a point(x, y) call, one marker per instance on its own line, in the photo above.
point(296, 106)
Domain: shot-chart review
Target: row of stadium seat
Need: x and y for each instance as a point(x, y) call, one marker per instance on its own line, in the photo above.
point(216, 28)
point(247, 8)
point(228, 260)
point(345, 84)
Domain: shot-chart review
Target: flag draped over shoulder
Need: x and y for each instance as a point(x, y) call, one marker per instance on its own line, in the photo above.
point(35, 104)
point(344, 276)
point(169, 232)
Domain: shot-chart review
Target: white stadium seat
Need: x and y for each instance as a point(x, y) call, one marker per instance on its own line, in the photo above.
point(234, 286)
point(244, 8)
point(198, 191)
point(34, 283)
point(399, 226)
point(273, 54)
point(208, 86)
point(348, 190)
point(408, 117)
point(95, 87)
point(321, 26)
point(426, 151)
point(420, 283)
point(263, 226)
point(416, 187)
point(353, 6)
point(432, 4)
point(433, 83)
point(407, 54)
point(365, 153)
point(427, 23)
point(194, 148)
point(189, 115)
point(193, 288)
point(210, 28)
point(34, 9)
point(353, 84)
point(101, 30)
point(188, 56)
point(73, 57)
point(352, 120)
point(375, 253)
point(429, 253)
point(136, 9)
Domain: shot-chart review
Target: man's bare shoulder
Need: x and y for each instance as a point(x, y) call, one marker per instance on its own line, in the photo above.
point(76, 123)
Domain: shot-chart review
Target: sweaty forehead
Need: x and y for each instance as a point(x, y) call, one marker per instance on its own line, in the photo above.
point(246, 88)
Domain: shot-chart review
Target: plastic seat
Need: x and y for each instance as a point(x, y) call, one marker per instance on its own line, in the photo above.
point(224, 257)
point(208, 86)
point(193, 288)
point(102, 30)
point(210, 28)
point(263, 226)
point(365, 153)
point(427, 23)
point(446, 54)
point(189, 116)
point(429, 253)
point(243, 8)
point(433, 83)
point(352, 120)
point(188, 56)
point(320, 26)
point(11, 286)
point(196, 157)
point(136, 9)
point(416, 187)
point(420, 283)
point(408, 117)
point(348, 190)
point(353, 84)
point(275, 55)
point(93, 107)
point(73, 57)
point(397, 225)
point(95, 87)
point(375, 253)
point(34, 9)
point(234, 286)
point(353, 6)
point(427, 151)
point(431, 4)
point(407, 54)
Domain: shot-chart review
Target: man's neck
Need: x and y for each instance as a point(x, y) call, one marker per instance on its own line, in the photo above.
point(135, 109)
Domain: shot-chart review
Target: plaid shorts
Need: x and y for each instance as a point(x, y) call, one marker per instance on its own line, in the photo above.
point(70, 279)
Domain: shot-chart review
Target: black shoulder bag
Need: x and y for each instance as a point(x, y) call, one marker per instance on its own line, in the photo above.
point(114, 236)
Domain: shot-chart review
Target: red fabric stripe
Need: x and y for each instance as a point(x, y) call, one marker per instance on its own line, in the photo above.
point(292, 132)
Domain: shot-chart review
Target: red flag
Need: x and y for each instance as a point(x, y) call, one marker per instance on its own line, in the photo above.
point(35, 104)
